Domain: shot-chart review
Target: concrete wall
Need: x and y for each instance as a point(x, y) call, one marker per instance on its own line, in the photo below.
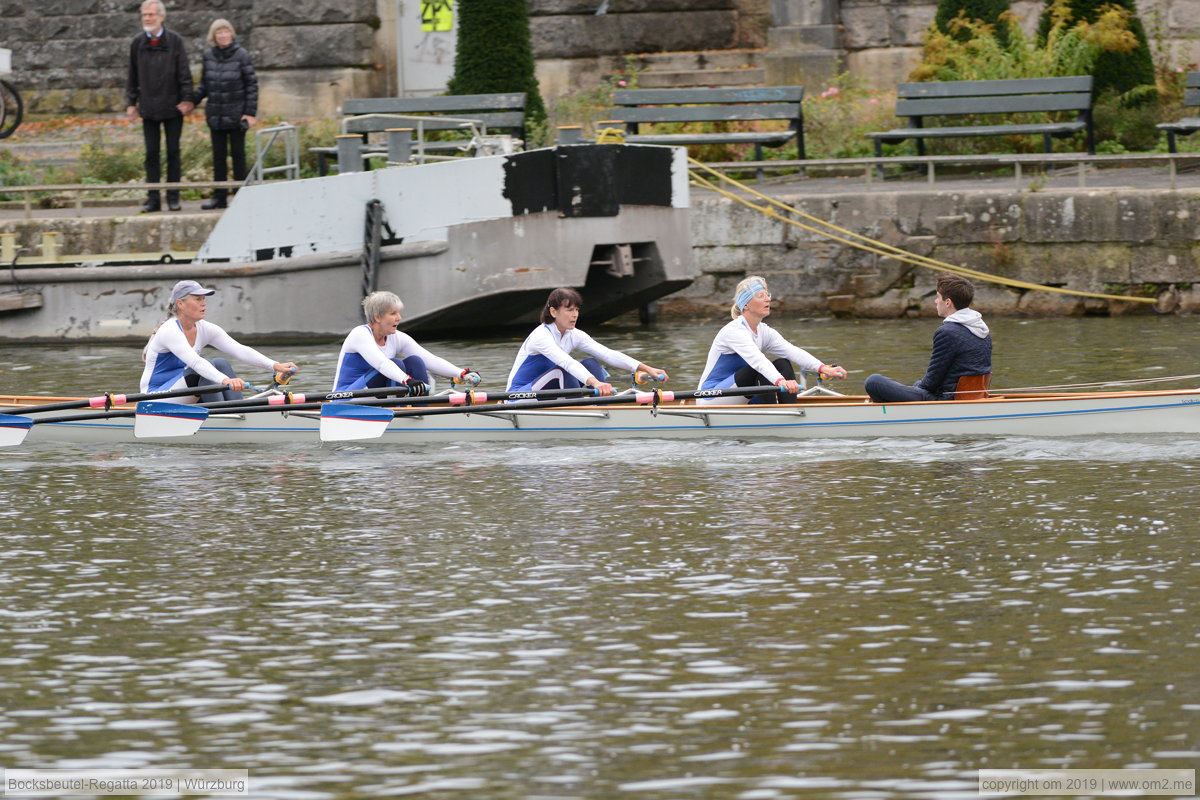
point(1100, 240)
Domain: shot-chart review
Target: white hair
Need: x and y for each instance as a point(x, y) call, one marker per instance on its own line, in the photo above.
point(376, 304)
point(162, 9)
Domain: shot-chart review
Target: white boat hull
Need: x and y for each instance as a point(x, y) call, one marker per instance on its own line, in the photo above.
point(1092, 414)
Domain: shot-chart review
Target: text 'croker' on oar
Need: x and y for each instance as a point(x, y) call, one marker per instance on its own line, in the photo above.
point(108, 401)
point(342, 422)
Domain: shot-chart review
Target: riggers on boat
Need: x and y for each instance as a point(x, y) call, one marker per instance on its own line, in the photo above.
point(652, 415)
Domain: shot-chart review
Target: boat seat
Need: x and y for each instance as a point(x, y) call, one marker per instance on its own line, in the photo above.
point(973, 387)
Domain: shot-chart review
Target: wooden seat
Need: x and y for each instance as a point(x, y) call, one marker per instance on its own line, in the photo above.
point(973, 387)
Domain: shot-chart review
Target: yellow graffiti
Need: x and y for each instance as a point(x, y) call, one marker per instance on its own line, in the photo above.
point(437, 16)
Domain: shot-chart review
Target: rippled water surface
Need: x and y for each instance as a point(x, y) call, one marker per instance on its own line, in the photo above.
point(711, 619)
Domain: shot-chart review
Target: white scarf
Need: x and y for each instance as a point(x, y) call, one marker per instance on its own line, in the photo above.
point(973, 321)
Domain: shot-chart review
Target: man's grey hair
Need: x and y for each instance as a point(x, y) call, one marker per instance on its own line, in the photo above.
point(162, 9)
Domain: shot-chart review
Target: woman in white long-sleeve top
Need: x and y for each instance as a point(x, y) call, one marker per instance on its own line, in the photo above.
point(739, 353)
point(376, 354)
point(545, 362)
point(173, 358)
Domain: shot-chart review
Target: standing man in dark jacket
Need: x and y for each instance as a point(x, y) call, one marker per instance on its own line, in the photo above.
point(159, 88)
point(962, 345)
point(229, 83)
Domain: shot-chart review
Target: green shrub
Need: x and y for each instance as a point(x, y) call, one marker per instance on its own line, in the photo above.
point(985, 11)
point(1120, 69)
point(494, 53)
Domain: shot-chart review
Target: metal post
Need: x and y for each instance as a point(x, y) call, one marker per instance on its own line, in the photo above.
point(399, 145)
point(8, 247)
point(349, 153)
point(570, 134)
point(50, 245)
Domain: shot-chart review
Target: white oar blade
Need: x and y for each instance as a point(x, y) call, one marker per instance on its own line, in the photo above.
point(156, 419)
point(14, 429)
point(344, 422)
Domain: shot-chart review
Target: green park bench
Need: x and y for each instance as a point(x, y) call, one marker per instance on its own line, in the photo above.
point(1191, 97)
point(940, 99)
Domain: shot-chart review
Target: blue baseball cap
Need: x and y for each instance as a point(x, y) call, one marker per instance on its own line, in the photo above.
point(184, 288)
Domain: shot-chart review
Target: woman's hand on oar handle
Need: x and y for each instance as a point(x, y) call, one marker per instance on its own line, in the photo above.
point(832, 371)
point(237, 384)
point(646, 373)
point(602, 388)
point(284, 370)
point(791, 387)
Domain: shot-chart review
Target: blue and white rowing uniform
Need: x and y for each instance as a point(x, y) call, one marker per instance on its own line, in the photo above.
point(736, 347)
point(545, 356)
point(363, 362)
point(169, 356)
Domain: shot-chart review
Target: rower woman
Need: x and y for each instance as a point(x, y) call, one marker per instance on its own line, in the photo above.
point(737, 358)
point(544, 360)
point(173, 358)
point(376, 354)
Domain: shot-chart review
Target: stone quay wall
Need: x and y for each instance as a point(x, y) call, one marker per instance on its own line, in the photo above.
point(1101, 240)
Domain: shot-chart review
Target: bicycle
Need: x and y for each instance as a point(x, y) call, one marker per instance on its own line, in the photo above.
point(11, 109)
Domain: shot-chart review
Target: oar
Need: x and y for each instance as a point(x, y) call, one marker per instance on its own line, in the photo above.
point(301, 402)
point(342, 422)
point(152, 419)
point(107, 401)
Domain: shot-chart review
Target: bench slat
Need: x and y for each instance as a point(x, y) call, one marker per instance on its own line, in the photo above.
point(659, 114)
point(756, 94)
point(1007, 86)
point(738, 137)
point(435, 105)
point(1007, 104)
point(1191, 97)
point(898, 134)
point(513, 119)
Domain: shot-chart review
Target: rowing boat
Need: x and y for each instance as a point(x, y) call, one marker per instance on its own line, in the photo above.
point(840, 416)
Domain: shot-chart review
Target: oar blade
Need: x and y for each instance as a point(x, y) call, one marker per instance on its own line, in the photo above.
point(345, 422)
point(156, 420)
point(14, 429)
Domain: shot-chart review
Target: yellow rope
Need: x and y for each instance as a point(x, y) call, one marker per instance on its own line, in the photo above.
point(853, 239)
point(610, 136)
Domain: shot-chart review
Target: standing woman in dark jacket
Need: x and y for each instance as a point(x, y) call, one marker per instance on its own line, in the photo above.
point(229, 83)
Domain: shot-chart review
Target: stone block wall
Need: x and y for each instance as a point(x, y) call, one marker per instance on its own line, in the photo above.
point(70, 56)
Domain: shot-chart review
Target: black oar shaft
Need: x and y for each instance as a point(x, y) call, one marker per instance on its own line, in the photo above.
point(258, 407)
point(108, 400)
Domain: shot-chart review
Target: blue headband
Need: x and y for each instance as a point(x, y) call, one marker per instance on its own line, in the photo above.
point(747, 294)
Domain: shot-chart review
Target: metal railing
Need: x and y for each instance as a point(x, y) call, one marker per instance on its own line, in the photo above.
point(288, 137)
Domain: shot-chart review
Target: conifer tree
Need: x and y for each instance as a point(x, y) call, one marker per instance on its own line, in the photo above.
point(1119, 71)
point(494, 53)
point(987, 11)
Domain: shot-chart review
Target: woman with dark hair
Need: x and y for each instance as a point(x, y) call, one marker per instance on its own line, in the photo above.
point(544, 360)
point(229, 83)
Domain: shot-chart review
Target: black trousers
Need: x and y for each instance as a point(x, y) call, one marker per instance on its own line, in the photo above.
point(748, 376)
point(153, 131)
point(227, 144)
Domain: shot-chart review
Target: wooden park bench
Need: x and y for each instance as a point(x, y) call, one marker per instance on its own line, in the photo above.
point(919, 101)
point(635, 108)
point(486, 113)
point(1191, 97)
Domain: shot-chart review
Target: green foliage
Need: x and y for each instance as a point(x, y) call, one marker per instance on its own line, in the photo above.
point(583, 107)
point(986, 11)
point(494, 53)
point(1120, 69)
point(837, 120)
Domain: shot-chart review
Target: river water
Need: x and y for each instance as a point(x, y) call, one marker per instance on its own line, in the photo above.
point(657, 620)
